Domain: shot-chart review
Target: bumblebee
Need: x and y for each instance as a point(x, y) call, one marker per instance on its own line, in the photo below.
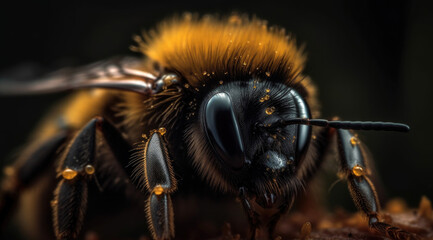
point(221, 99)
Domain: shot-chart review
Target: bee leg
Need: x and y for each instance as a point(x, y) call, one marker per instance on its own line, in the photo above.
point(160, 183)
point(29, 166)
point(77, 168)
point(70, 197)
point(354, 166)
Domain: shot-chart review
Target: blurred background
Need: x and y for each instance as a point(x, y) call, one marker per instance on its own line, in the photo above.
point(371, 60)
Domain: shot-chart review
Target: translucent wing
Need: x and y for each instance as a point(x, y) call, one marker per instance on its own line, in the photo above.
point(117, 73)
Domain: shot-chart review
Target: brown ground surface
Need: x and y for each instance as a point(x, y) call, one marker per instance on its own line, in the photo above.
point(339, 225)
point(343, 225)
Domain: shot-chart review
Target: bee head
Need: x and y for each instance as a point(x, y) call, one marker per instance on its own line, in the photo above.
point(240, 151)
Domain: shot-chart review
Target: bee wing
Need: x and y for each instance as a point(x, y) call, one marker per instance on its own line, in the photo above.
point(117, 73)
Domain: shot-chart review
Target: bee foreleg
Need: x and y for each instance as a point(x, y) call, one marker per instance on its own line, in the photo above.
point(76, 169)
point(31, 163)
point(353, 162)
point(160, 183)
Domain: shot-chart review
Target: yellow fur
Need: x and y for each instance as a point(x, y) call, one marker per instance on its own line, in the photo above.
point(75, 111)
point(210, 48)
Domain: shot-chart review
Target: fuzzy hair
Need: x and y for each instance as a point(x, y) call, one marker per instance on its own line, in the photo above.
point(213, 48)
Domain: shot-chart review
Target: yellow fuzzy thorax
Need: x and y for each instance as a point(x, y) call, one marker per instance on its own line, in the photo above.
point(212, 48)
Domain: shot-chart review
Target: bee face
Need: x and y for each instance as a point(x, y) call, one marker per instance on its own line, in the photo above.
point(234, 120)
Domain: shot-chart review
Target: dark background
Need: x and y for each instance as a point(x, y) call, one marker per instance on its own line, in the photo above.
point(372, 60)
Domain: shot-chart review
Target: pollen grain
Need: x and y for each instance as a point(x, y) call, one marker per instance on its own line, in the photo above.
point(158, 190)
point(89, 169)
point(162, 131)
point(69, 174)
point(358, 171)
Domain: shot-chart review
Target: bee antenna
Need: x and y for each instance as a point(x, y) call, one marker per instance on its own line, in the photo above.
point(354, 125)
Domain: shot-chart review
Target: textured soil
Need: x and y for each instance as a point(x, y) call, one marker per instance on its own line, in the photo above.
point(343, 225)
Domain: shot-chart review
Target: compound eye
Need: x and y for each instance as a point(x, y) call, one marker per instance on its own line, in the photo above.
point(304, 131)
point(222, 130)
